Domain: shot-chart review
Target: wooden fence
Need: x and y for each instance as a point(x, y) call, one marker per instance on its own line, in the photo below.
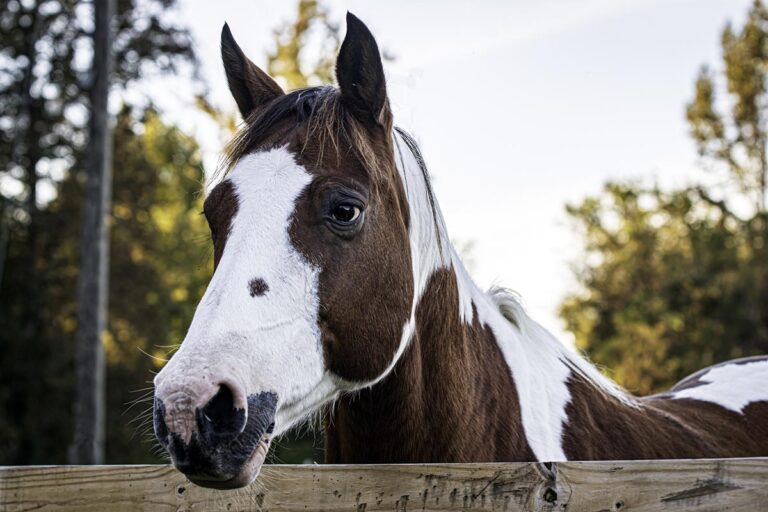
point(697, 485)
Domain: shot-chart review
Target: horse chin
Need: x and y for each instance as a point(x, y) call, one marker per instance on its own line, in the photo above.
point(247, 474)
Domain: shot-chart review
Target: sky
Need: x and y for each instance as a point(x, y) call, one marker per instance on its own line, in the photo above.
point(520, 107)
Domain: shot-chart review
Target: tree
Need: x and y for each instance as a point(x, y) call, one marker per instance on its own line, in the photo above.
point(287, 63)
point(160, 265)
point(737, 145)
point(159, 268)
point(88, 445)
point(673, 281)
point(45, 87)
point(45, 84)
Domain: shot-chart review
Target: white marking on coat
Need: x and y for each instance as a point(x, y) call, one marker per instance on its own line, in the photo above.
point(539, 364)
point(732, 386)
point(270, 344)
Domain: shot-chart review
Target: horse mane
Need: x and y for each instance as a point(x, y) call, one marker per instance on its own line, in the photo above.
point(541, 339)
point(415, 151)
point(535, 337)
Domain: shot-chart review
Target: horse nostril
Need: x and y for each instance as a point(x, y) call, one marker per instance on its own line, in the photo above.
point(220, 416)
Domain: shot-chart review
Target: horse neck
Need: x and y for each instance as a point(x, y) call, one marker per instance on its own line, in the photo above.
point(478, 379)
point(448, 398)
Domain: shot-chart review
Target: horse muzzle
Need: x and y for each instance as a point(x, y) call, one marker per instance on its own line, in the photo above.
point(218, 441)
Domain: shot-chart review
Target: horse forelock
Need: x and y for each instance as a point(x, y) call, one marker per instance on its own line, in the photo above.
point(312, 118)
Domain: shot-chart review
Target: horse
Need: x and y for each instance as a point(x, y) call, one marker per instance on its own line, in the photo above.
point(337, 294)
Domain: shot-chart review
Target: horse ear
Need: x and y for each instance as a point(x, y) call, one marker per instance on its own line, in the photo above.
point(361, 76)
point(250, 86)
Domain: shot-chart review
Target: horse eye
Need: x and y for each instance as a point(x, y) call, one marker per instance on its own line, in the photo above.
point(345, 214)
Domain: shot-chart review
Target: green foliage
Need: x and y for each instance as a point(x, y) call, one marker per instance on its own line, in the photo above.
point(675, 281)
point(670, 285)
point(159, 268)
point(736, 145)
point(44, 64)
point(45, 48)
point(288, 64)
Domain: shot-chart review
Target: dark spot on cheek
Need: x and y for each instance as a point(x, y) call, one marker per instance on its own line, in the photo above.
point(257, 287)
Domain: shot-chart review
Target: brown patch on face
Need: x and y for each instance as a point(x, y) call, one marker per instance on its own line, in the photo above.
point(257, 287)
point(450, 398)
point(366, 282)
point(220, 208)
point(599, 428)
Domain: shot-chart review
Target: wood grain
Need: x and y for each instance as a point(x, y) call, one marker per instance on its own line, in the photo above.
point(697, 485)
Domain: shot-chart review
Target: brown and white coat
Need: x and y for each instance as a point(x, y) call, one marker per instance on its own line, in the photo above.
point(336, 284)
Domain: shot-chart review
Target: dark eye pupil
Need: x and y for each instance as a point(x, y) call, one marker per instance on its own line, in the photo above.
point(345, 213)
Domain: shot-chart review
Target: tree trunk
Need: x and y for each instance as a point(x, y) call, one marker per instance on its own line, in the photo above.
point(26, 151)
point(88, 447)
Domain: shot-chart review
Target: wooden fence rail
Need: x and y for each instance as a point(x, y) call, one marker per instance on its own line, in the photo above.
point(698, 485)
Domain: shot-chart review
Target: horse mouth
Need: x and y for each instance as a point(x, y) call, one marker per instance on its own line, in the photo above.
point(247, 474)
point(225, 451)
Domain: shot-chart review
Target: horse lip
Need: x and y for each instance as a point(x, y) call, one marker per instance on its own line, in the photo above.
point(247, 474)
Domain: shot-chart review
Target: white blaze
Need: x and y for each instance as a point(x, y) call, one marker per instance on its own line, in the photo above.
point(262, 343)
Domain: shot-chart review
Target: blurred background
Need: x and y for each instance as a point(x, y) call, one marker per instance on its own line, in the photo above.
point(604, 158)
